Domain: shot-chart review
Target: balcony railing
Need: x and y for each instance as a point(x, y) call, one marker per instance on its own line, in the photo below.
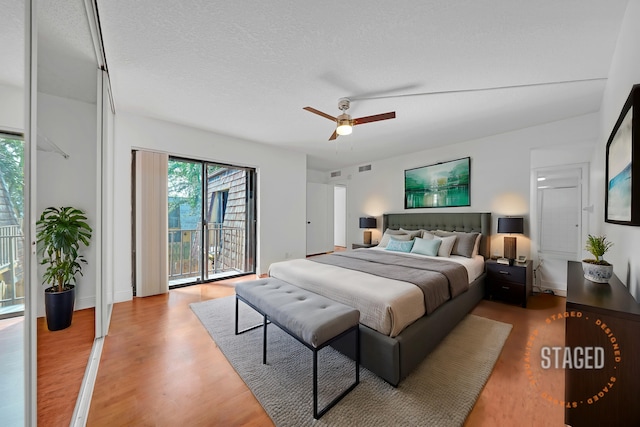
point(11, 269)
point(224, 254)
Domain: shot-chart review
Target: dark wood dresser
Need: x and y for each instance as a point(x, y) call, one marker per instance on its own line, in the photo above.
point(610, 318)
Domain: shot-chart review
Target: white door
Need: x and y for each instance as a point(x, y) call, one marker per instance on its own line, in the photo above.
point(340, 216)
point(319, 227)
point(560, 192)
point(560, 221)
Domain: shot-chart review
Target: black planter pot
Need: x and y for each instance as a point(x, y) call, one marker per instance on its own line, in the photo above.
point(58, 307)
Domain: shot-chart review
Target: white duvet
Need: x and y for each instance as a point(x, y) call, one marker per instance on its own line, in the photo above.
point(386, 305)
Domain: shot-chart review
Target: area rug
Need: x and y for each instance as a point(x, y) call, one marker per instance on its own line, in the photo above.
point(440, 392)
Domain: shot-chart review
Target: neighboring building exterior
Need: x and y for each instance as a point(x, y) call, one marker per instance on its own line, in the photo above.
point(227, 216)
point(226, 219)
point(11, 250)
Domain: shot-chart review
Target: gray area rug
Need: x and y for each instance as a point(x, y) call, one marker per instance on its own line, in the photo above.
point(440, 392)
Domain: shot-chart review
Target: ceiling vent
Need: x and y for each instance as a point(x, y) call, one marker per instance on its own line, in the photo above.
point(336, 174)
point(364, 168)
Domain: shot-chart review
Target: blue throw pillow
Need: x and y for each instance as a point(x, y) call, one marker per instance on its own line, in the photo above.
point(399, 246)
point(426, 247)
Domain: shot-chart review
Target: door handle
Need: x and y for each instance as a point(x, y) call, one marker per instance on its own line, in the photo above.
point(308, 222)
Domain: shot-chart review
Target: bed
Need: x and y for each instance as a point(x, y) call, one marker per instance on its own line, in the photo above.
point(398, 326)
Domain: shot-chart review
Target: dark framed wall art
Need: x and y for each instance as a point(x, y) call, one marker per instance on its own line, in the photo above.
point(622, 196)
point(444, 184)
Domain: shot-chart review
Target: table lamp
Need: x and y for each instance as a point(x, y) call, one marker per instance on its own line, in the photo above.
point(510, 225)
point(368, 222)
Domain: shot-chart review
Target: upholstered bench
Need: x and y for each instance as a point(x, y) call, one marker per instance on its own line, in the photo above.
point(312, 319)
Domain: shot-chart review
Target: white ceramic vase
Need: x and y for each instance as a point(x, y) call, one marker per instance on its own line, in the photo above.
point(597, 273)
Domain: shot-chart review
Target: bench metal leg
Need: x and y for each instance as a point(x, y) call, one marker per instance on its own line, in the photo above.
point(315, 385)
point(264, 340)
point(317, 414)
point(250, 328)
point(354, 330)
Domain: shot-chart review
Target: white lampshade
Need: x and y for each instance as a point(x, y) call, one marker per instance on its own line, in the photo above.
point(344, 129)
point(344, 125)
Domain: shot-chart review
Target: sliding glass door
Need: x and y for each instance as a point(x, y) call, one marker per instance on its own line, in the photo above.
point(211, 221)
point(185, 221)
point(229, 221)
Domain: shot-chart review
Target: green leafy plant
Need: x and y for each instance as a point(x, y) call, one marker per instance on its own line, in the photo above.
point(597, 246)
point(60, 232)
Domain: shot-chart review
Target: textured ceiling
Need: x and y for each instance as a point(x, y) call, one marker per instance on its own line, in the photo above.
point(67, 63)
point(247, 68)
point(66, 59)
point(12, 42)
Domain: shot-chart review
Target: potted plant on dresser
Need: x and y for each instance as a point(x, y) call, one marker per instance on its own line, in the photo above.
point(60, 232)
point(597, 270)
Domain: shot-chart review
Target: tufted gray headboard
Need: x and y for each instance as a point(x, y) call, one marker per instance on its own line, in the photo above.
point(460, 221)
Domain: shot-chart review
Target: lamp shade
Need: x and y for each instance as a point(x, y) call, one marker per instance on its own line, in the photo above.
point(511, 225)
point(368, 222)
point(344, 124)
point(344, 129)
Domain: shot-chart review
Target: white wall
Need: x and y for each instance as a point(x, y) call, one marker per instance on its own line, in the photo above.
point(282, 177)
point(500, 166)
point(624, 72)
point(71, 125)
point(500, 178)
point(11, 108)
point(317, 176)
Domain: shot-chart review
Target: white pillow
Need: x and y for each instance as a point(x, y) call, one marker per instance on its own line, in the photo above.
point(387, 235)
point(476, 247)
point(412, 233)
point(400, 238)
point(465, 243)
point(446, 246)
point(427, 236)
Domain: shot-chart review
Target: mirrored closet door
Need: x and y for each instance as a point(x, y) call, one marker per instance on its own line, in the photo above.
point(16, 353)
point(70, 169)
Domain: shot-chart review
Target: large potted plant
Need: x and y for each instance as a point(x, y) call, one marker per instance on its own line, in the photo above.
point(597, 270)
point(60, 232)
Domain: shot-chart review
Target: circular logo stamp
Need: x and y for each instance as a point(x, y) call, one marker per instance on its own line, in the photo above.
point(544, 358)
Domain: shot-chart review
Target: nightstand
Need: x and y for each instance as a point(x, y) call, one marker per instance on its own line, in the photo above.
point(363, 245)
point(511, 283)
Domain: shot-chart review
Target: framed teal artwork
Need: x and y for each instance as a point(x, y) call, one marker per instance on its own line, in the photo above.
point(622, 196)
point(441, 185)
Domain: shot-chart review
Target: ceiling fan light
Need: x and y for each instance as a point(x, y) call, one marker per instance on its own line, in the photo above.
point(344, 125)
point(344, 129)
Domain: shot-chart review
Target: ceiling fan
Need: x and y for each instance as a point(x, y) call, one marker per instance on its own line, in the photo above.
point(344, 122)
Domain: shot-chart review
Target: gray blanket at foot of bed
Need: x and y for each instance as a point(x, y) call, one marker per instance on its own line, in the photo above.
point(439, 280)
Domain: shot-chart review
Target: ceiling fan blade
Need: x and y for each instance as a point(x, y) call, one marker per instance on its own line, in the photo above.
point(482, 89)
point(333, 136)
point(376, 118)
point(320, 113)
point(385, 92)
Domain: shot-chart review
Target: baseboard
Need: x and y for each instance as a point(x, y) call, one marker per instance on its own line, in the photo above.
point(556, 291)
point(85, 302)
point(122, 296)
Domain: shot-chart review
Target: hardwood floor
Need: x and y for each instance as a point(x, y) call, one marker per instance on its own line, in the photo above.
point(62, 360)
point(508, 398)
point(161, 368)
